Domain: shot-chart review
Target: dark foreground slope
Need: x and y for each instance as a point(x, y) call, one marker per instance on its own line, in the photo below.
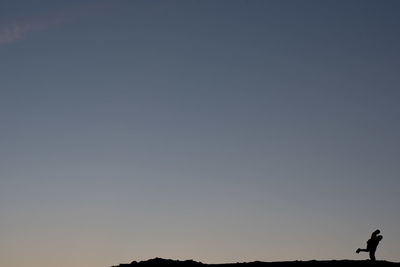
point(334, 263)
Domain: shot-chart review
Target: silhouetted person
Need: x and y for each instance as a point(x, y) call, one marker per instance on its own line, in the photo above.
point(372, 244)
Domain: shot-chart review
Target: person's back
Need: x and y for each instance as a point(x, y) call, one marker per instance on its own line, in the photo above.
point(373, 244)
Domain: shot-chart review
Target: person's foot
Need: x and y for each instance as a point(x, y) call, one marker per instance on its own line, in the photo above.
point(358, 250)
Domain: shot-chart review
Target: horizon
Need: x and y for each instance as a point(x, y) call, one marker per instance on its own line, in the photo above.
point(255, 261)
point(218, 131)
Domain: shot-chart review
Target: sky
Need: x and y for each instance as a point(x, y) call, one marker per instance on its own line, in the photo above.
point(218, 131)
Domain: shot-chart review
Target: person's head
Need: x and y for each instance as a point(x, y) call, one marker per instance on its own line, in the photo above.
point(379, 237)
point(377, 231)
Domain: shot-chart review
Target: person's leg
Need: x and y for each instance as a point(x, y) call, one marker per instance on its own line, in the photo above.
point(372, 255)
point(361, 250)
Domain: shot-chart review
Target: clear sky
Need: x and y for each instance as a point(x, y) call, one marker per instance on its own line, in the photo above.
point(219, 131)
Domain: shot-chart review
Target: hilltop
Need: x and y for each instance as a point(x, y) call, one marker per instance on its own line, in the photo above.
point(313, 263)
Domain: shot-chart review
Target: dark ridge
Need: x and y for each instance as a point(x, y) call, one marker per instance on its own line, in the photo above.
point(313, 263)
point(162, 262)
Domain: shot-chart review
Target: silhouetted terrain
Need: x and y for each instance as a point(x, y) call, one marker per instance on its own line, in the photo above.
point(333, 263)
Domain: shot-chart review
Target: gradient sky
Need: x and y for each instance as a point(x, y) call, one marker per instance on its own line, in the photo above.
point(219, 131)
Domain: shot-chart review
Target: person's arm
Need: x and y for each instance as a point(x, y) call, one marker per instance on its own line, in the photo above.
point(374, 234)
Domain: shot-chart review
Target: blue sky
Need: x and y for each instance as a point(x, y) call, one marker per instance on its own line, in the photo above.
point(219, 131)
